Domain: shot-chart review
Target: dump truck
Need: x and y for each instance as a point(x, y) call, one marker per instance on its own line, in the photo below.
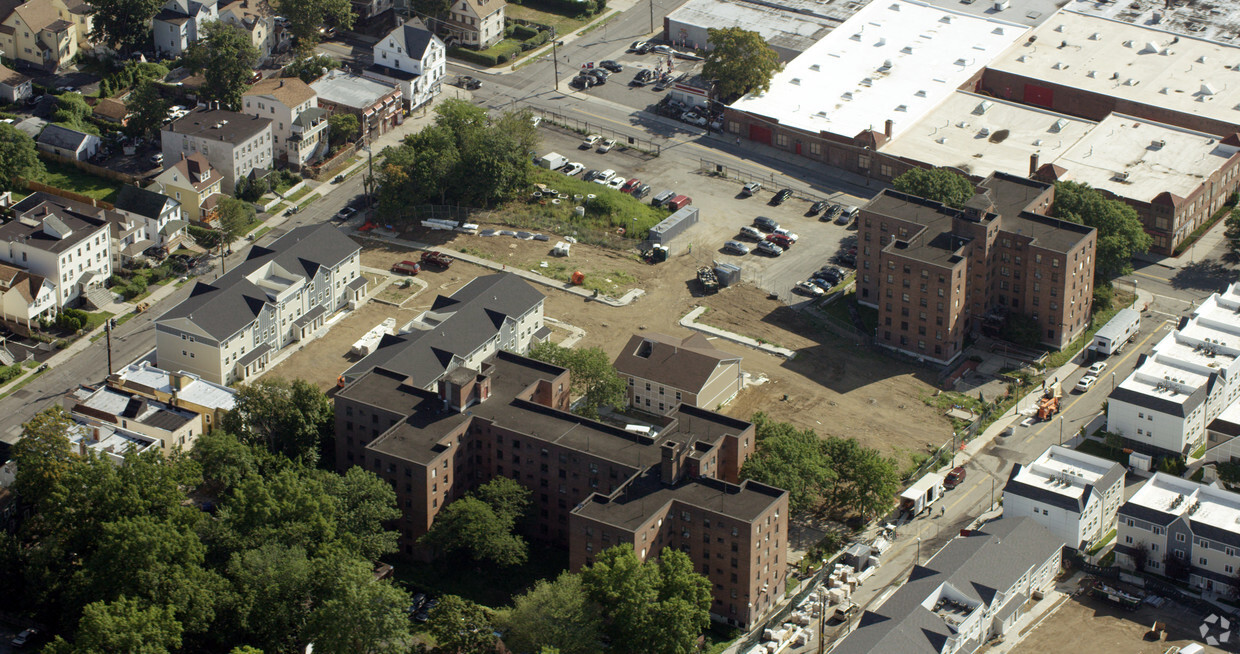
point(1048, 404)
point(708, 280)
point(437, 258)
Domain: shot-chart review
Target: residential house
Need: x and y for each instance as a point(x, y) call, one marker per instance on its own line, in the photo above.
point(1190, 377)
point(475, 23)
point(594, 486)
point(173, 428)
point(228, 330)
point(233, 143)
point(25, 298)
point(14, 87)
point(129, 238)
point(972, 590)
point(378, 106)
point(178, 389)
point(36, 35)
point(490, 313)
point(63, 241)
point(257, 21)
point(413, 58)
point(196, 185)
point(160, 213)
point(371, 11)
point(178, 24)
point(113, 110)
point(81, 14)
point(1182, 529)
point(1074, 495)
point(299, 126)
point(662, 371)
point(68, 143)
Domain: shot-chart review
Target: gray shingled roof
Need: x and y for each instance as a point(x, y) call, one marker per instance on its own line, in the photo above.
point(142, 202)
point(219, 309)
point(480, 308)
point(62, 137)
point(417, 38)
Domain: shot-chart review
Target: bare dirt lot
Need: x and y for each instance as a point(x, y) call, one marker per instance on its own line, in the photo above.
point(1083, 624)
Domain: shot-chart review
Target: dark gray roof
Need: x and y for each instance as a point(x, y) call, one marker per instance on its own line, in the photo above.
point(312, 314)
point(478, 311)
point(41, 207)
point(392, 73)
point(62, 137)
point(228, 304)
point(142, 202)
point(1161, 404)
point(254, 355)
point(978, 565)
point(417, 38)
point(1146, 514)
point(219, 125)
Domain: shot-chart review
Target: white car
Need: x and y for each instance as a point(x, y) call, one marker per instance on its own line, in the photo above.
point(1086, 383)
point(1097, 368)
point(591, 141)
point(573, 168)
point(616, 182)
point(605, 176)
point(809, 288)
point(535, 120)
point(788, 233)
point(606, 146)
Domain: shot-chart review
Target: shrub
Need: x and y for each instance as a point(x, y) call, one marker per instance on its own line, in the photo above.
point(473, 56)
point(72, 319)
point(523, 32)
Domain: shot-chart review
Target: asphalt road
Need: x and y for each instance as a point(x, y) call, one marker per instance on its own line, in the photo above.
point(136, 338)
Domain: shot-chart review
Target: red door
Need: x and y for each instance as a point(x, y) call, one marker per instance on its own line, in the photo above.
point(760, 134)
point(798, 147)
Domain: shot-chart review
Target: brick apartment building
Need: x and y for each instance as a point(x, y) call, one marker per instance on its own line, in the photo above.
point(593, 486)
point(937, 274)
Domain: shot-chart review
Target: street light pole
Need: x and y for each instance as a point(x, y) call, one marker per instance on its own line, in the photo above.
point(919, 550)
point(652, 16)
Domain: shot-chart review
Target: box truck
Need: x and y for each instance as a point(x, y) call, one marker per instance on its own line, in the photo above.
point(922, 494)
point(1116, 333)
point(553, 161)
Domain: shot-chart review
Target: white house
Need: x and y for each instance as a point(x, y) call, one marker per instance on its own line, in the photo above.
point(1196, 525)
point(14, 87)
point(234, 143)
point(177, 25)
point(1073, 494)
point(159, 213)
point(299, 126)
point(25, 298)
point(69, 143)
point(63, 241)
point(414, 59)
point(1191, 376)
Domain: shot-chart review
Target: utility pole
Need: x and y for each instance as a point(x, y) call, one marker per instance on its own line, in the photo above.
point(555, 59)
point(107, 329)
point(652, 16)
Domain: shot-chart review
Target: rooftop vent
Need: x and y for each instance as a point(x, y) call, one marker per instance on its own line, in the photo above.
point(1150, 48)
point(895, 6)
point(1091, 74)
point(1059, 28)
point(902, 107)
point(982, 107)
point(1207, 89)
point(847, 95)
point(856, 37)
point(1059, 125)
point(796, 80)
point(1131, 82)
point(1158, 145)
point(1059, 65)
point(921, 93)
point(882, 40)
point(985, 131)
point(997, 30)
point(1201, 59)
point(1121, 176)
point(908, 49)
point(1023, 58)
point(1128, 43)
point(1037, 143)
point(961, 62)
point(941, 140)
point(946, 19)
point(815, 67)
point(1095, 36)
point(867, 81)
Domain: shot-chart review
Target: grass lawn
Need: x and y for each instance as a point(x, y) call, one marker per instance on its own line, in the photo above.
point(606, 282)
point(482, 583)
point(397, 292)
point(1122, 300)
point(838, 309)
point(259, 233)
point(301, 193)
point(29, 378)
point(71, 179)
point(338, 169)
point(599, 24)
point(718, 637)
point(1090, 446)
point(97, 319)
point(1102, 543)
point(562, 24)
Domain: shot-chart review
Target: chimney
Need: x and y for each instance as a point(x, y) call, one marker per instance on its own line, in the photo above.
point(669, 471)
point(888, 127)
point(1033, 164)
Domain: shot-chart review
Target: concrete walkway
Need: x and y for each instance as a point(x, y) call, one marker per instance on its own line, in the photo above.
point(1199, 251)
point(690, 321)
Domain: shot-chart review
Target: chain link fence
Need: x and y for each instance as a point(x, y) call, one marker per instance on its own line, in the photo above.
point(771, 181)
point(584, 128)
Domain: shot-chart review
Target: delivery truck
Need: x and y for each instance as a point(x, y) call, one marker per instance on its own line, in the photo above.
point(553, 161)
point(925, 492)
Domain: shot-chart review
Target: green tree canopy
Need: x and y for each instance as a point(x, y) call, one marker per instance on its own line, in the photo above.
point(364, 502)
point(656, 607)
point(226, 57)
point(592, 375)
point(43, 454)
point(795, 460)
point(124, 625)
point(556, 614)
point(866, 481)
point(360, 615)
point(113, 22)
point(344, 128)
point(739, 62)
point(235, 217)
point(293, 419)
point(311, 68)
point(305, 17)
point(461, 626)
point(480, 525)
point(148, 109)
point(1120, 234)
point(938, 184)
point(18, 157)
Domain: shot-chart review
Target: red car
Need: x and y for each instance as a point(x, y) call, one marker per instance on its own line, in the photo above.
point(955, 477)
point(780, 240)
point(407, 267)
point(630, 185)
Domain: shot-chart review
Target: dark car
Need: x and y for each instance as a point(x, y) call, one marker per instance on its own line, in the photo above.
point(590, 175)
point(779, 198)
point(641, 191)
point(643, 77)
point(816, 207)
point(613, 66)
point(583, 82)
point(24, 639)
point(765, 224)
point(468, 83)
point(406, 268)
point(824, 284)
point(955, 477)
point(156, 252)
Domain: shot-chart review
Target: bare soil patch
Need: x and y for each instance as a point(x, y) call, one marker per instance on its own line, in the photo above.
point(1083, 624)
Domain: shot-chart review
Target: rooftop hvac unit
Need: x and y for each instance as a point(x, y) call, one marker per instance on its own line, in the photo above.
point(1159, 144)
point(1000, 5)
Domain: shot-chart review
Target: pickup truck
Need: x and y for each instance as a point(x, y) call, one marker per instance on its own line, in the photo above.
point(437, 258)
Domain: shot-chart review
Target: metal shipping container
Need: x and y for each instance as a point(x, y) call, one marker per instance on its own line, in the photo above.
point(673, 225)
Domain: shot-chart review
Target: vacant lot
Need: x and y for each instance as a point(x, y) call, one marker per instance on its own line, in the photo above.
point(1083, 624)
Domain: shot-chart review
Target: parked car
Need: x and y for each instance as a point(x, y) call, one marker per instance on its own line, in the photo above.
point(751, 232)
point(809, 288)
point(694, 119)
point(780, 240)
point(824, 284)
point(750, 189)
point(1086, 383)
point(606, 146)
point(597, 73)
point(345, 213)
point(765, 224)
point(630, 185)
point(605, 176)
point(954, 478)
point(779, 198)
point(641, 191)
point(613, 66)
point(786, 233)
point(817, 207)
point(256, 77)
point(468, 83)
point(157, 158)
point(769, 248)
point(617, 183)
point(679, 202)
point(573, 168)
point(590, 175)
point(643, 77)
point(406, 268)
point(591, 141)
point(844, 217)
point(662, 197)
point(1097, 368)
point(24, 639)
point(639, 47)
point(735, 247)
point(662, 49)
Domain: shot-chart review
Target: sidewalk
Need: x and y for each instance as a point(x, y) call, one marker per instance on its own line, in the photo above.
point(1198, 252)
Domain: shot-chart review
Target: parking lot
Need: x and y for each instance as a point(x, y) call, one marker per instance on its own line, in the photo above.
point(618, 90)
point(723, 211)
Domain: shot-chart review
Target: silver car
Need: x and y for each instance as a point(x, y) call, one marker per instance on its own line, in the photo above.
point(735, 247)
point(769, 248)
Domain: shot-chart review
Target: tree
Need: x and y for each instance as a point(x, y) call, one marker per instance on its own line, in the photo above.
point(287, 507)
point(43, 454)
point(147, 108)
point(436, 8)
point(461, 626)
point(226, 57)
point(364, 503)
point(554, 614)
point(18, 157)
point(72, 111)
point(1021, 329)
point(1232, 229)
point(124, 625)
point(739, 62)
point(507, 498)
point(593, 377)
point(867, 482)
point(1120, 234)
point(311, 68)
point(274, 587)
point(293, 419)
point(1140, 556)
point(113, 22)
point(235, 218)
point(653, 607)
point(796, 461)
point(305, 17)
point(344, 128)
point(471, 527)
point(938, 184)
point(1114, 441)
point(361, 615)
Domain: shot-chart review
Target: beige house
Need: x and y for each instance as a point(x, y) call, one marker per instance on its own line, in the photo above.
point(255, 20)
point(476, 23)
point(174, 428)
point(179, 389)
point(193, 182)
point(298, 125)
point(35, 33)
point(663, 371)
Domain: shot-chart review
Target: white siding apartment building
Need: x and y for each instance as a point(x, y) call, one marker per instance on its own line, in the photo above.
point(412, 58)
point(65, 242)
point(1191, 376)
point(1197, 524)
point(228, 330)
point(234, 143)
point(1073, 494)
point(299, 127)
point(178, 23)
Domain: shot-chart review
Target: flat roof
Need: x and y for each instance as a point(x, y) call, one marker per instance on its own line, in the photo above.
point(789, 24)
point(1206, 20)
point(194, 390)
point(1065, 471)
point(1139, 159)
point(1175, 496)
point(646, 496)
point(892, 60)
point(354, 91)
point(1134, 62)
point(1026, 12)
point(980, 135)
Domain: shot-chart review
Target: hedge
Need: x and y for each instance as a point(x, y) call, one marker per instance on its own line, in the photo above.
point(473, 55)
point(523, 32)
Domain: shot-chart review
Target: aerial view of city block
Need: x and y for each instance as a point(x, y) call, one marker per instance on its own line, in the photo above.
point(619, 326)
